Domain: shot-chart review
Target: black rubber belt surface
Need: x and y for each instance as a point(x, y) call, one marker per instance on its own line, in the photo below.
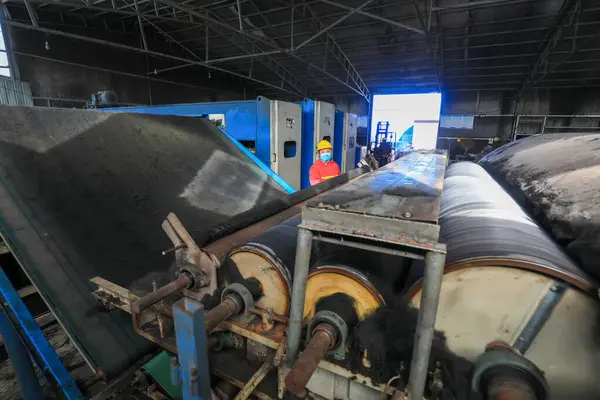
point(83, 194)
point(556, 178)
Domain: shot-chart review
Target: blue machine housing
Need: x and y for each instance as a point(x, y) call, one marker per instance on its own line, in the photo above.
point(247, 120)
point(338, 136)
point(308, 140)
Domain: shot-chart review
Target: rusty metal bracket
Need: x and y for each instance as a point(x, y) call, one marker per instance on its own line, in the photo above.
point(273, 362)
point(187, 253)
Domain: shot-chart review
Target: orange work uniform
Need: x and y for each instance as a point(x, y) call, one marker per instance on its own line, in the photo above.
point(321, 171)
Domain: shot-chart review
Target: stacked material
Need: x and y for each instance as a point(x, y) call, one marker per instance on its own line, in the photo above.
point(83, 194)
point(556, 178)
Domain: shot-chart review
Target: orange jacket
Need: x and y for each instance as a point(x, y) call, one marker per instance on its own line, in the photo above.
point(320, 171)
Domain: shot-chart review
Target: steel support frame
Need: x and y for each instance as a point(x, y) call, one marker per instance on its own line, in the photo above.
point(351, 12)
point(239, 39)
point(284, 74)
point(403, 33)
point(143, 51)
point(568, 17)
point(352, 74)
point(434, 268)
point(333, 48)
point(432, 51)
point(192, 370)
point(377, 17)
point(34, 340)
point(383, 6)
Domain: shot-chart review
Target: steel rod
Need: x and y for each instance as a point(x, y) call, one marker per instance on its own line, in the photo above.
point(430, 296)
point(144, 302)
point(303, 251)
point(219, 314)
point(31, 13)
point(305, 367)
point(239, 12)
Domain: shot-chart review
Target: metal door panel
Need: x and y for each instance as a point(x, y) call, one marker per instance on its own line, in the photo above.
point(349, 150)
point(286, 132)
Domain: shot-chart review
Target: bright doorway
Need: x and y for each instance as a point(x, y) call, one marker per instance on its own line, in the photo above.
point(413, 118)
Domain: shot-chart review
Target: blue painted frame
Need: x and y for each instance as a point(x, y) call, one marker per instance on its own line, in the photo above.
point(338, 136)
point(308, 141)
point(33, 337)
point(192, 350)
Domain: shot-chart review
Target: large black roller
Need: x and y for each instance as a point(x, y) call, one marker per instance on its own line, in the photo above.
point(556, 178)
point(482, 225)
point(505, 280)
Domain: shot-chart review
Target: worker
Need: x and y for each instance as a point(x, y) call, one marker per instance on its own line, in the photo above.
point(324, 168)
point(383, 152)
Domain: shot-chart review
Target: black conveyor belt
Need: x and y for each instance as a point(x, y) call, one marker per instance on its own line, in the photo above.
point(83, 194)
point(556, 178)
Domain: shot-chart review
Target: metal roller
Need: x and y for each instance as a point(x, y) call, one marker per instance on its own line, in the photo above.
point(326, 280)
point(269, 258)
point(337, 298)
point(507, 280)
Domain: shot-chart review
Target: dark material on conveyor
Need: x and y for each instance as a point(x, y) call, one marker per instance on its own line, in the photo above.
point(387, 336)
point(84, 193)
point(556, 178)
point(275, 206)
point(482, 225)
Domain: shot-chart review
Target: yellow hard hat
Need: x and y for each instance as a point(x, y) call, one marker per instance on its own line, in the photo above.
point(459, 140)
point(323, 144)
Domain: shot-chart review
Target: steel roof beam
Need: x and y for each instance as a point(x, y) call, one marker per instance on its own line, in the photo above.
point(360, 89)
point(334, 24)
point(377, 17)
point(141, 51)
point(283, 73)
point(568, 17)
point(237, 39)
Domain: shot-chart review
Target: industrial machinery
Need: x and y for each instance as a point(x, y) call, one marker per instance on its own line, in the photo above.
point(345, 135)
point(318, 118)
point(270, 129)
point(333, 291)
point(103, 99)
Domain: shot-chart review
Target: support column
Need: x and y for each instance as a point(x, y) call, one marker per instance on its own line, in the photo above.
point(430, 296)
point(192, 349)
point(303, 251)
point(20, 359)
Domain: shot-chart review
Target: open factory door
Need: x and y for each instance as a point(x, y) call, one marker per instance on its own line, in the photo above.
point(83, 194)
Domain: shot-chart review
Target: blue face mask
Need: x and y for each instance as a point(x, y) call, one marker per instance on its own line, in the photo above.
point(325, 157)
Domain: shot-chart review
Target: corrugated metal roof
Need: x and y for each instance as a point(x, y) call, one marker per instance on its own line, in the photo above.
point(15, 92)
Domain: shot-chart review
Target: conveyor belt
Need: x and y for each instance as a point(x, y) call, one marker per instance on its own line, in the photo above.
point(556, 178)
point(83, 194)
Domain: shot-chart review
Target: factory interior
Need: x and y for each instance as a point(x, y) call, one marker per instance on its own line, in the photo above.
point(300, 199)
